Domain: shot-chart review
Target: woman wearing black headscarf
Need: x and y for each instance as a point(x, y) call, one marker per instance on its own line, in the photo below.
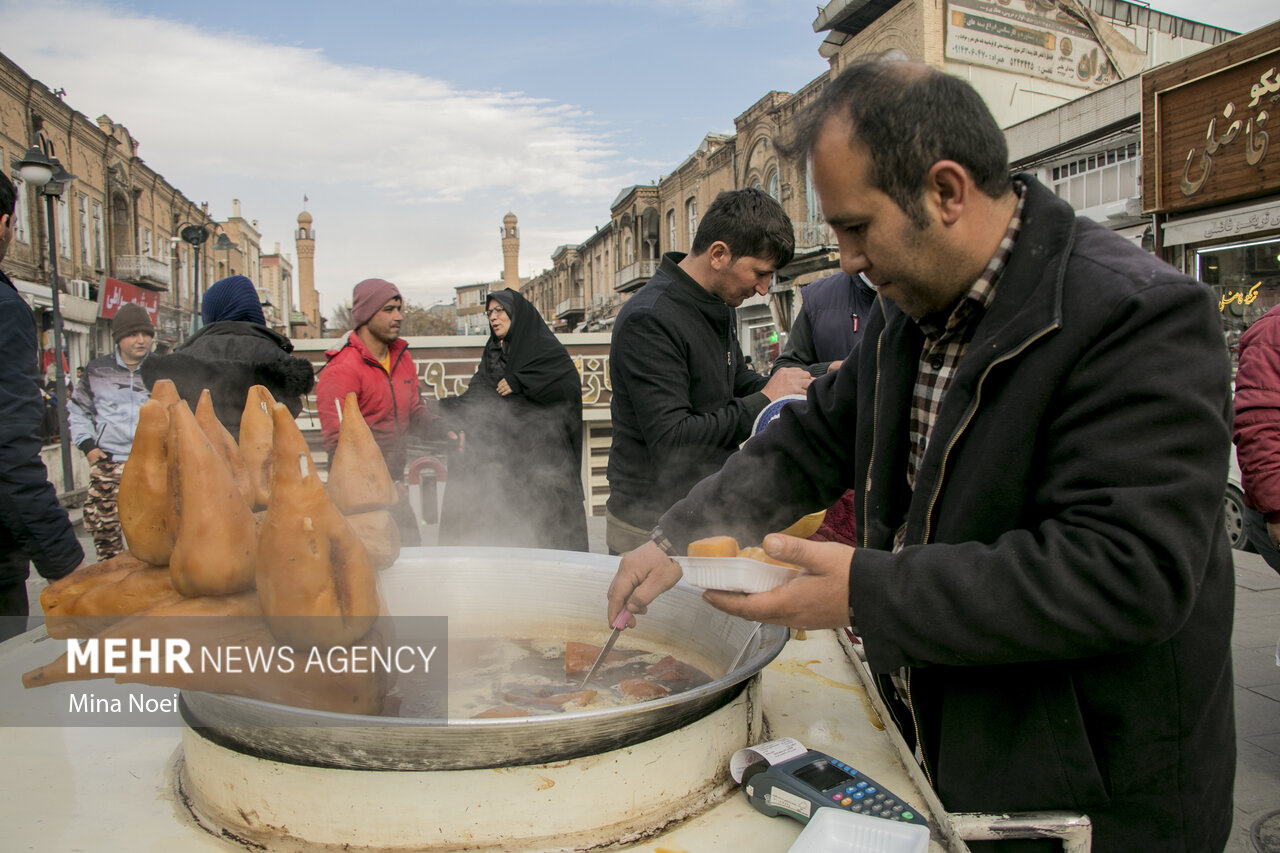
point(516, 477)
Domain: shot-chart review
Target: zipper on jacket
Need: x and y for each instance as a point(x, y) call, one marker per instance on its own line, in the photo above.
point(871, 461)
point(968, 418)
point(933, 501)
point(391, 386)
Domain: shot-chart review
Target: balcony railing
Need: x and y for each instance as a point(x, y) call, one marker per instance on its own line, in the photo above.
point(572, 305)
point(810, 234)
point(633, 275)
point(144, 270)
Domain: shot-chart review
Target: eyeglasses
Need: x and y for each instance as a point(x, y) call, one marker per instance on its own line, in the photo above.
point(493, 312)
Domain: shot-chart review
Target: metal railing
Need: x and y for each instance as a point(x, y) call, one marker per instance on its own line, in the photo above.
point(142, 268)
point(814, 234)
point(566, 306)
point(640, 271)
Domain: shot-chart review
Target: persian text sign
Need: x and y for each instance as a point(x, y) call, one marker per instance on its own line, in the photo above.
point(1213, 141)
point(1029, 37)
point(116, 293)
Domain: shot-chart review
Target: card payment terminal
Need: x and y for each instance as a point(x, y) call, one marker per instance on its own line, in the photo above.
point(783, 777)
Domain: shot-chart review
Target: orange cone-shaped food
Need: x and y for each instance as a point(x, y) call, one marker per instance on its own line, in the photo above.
point(358, 476)
point(165, 392)
point(102, 605)
point(380, 536)
point(65, 589)
point(224, 444)
point(256, 427)
point(143, 497)
point(314, 577)
point(214, 545)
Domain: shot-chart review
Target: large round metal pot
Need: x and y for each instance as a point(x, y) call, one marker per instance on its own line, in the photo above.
point(505, 592)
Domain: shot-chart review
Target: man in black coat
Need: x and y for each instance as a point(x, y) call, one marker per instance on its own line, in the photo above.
point(33, 526)
point(683, 396)
point(1037, 428)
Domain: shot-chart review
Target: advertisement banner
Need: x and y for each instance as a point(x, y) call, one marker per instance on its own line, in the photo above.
point(1029, 37)
point(116, 293)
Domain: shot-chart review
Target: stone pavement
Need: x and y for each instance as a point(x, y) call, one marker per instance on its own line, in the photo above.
point(1257, 677)
point(1253, 644)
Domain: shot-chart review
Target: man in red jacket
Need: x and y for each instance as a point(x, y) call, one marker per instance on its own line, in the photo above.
point(375, 363)
point(1257, 433)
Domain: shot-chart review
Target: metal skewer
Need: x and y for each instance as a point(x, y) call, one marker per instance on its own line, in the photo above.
point(745, 647)
point(619, 622)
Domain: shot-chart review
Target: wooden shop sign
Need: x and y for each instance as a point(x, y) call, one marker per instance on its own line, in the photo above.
point(1211, 125)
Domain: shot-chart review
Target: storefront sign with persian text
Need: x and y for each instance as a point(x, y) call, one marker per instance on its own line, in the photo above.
point(115, 293)
point(1029, 37)
point(1210, 125)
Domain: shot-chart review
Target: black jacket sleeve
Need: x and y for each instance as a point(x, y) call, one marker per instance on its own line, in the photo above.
point(658, 374)
point(29, 510)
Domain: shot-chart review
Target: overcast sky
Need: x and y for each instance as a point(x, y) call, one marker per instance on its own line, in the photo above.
point(413, 127)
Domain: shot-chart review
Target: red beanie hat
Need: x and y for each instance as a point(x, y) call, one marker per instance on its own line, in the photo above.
point(368, 298)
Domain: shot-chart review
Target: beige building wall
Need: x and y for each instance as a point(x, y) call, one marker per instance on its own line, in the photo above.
point(470, 307)
point(617, 259)
point(276, 287)
point(245, 255)
point(919, 29)
point(118, 218)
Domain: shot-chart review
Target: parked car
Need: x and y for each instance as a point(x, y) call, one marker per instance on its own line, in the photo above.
point(1234, 500)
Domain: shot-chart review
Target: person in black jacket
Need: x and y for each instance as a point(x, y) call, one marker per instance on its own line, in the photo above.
point(33, 525)
point(833, 313)
point(1037, 428)
point(233, 352)
point(516, 478)
point(683, 397)
point(823, 335)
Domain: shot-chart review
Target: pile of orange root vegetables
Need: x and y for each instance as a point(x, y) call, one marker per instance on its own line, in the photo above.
point(239, 545)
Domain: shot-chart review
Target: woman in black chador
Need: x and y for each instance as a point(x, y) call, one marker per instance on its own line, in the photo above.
point(516, 477)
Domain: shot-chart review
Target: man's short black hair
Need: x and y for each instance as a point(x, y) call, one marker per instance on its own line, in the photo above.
point(8, 195)
point(749, 222)
point(909, 116)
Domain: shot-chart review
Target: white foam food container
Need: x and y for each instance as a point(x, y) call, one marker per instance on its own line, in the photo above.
point(837, 831)
point(735, 574)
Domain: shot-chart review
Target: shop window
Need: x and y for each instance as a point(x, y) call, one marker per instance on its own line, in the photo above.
point(64, 229)
point(99, 239)
point(1246, 279)
point(83, 220)
point(21, 213)
point(1100, 178)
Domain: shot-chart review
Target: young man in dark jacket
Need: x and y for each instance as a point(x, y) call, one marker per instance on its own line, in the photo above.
point(33, 526)
point(1037, 429)
point(683, 397)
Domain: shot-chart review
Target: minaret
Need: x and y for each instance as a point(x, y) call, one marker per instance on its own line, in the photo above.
point(308, 301)
point(510, 252)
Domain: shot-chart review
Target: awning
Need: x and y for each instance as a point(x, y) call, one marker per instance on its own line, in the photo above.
point(1223, 223)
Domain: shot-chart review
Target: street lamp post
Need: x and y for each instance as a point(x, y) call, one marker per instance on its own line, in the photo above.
point(46, 174)
point(224, 243)
point(196, 235)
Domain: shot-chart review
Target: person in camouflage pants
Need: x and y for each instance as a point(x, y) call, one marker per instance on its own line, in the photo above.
point(101, 514)
point(104, 414)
